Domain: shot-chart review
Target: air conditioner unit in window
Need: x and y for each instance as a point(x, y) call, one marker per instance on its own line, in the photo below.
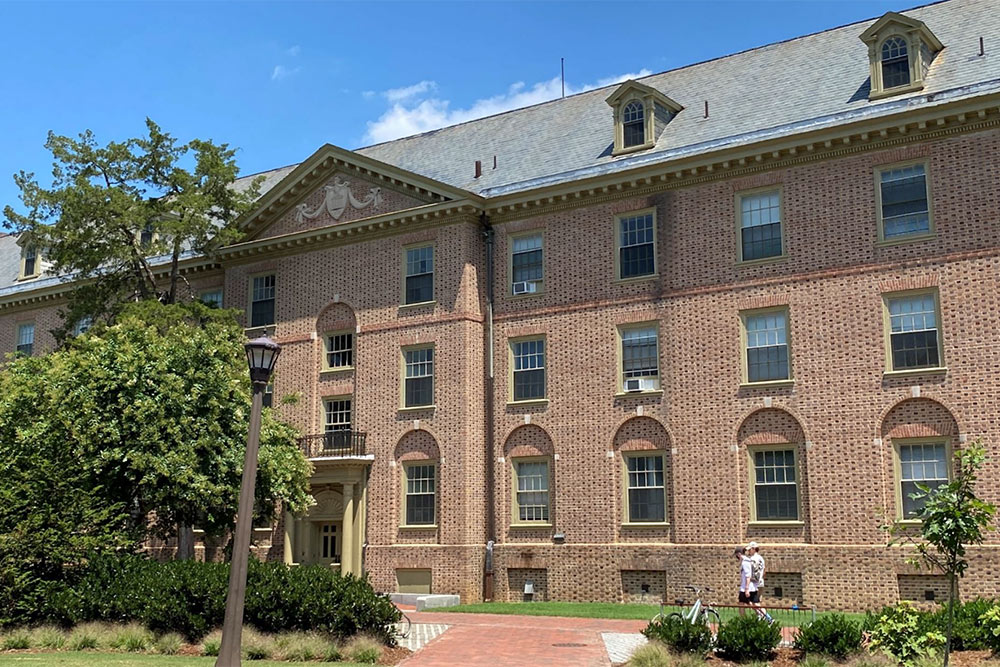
point(525, 287)
point(640, 384)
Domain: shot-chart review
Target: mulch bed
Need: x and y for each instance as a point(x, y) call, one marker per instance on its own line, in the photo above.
point(394, 656)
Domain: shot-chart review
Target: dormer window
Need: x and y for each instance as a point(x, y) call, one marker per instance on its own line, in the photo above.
point(900, 51)
point(30, 262)
point(633, 125)
point(640, 113)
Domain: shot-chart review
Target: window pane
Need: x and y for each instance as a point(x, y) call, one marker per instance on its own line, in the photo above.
point(262, 301)
point(340, 350)
point(419, 274)
point(213, 298)
point(923, 464)
point(633, 124)
point(26, 339)
point(420, 288)
point(913, 332)
point(904, 201)
point(895, 63)
point(639, 357)
point(338, 415)
point(775, 492)
point(420, 483)
point(636, 256)
point(529, 369)
point(646, 498)
point(533, 491)
point(760, 222)
point(419, 382)
point(767, 347)
point(526, 259)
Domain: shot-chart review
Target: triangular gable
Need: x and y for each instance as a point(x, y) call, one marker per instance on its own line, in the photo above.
point(891, 20)
point(336, 185)
point(642, 90)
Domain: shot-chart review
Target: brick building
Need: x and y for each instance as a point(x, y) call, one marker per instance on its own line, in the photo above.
point(613, 335)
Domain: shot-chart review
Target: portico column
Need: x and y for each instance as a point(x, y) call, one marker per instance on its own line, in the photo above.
point(289, 538)
point(347, 548)
point(361, 523)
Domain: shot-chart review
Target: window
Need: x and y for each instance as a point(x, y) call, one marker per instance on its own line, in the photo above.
point(645, 490)
point(760, 225)
point(531, 495)
point(775, 485)
point(633, 124)
point(82, 325)
point(339, 352)
point(418, 389)
point(262, 301)
point(895, 63)
point(212, 298)
point(529, 369)
point(640, 359)
point(26, 338)
point(328, 542)
point(923, 464)
point(146, 236)
point(767, 357)
point(30, 268)
point(526, 264)
point(419, 483)
point(636, 245)
point(337, 414)
point(914, 341)
point(904, 208)
point(419, 286)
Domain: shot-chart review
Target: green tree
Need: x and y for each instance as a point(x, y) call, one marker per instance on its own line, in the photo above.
point(952, 519)
point(128, 431)
point(111, 208)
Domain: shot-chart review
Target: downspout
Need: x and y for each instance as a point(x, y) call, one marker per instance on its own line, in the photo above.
point(488, 411)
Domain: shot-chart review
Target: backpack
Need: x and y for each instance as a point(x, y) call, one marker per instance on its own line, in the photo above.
point(757, 571)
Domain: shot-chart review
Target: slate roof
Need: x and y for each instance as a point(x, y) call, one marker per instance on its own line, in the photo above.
point(780, 89)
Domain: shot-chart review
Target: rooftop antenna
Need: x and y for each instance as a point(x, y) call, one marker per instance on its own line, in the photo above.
point(562, 74)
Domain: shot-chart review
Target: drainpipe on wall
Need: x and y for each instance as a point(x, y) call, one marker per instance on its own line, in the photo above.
point(488, 382)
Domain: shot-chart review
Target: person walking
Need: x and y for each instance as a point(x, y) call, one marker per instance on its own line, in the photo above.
point(747, 587)
point(757, 567)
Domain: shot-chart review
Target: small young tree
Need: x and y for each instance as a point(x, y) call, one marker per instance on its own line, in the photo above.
point(111, 208)
point(952, 519)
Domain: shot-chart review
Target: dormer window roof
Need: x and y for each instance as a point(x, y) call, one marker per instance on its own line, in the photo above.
point(640, 113)
point(900, 51)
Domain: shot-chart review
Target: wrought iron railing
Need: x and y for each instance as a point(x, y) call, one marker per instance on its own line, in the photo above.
point(333, 443)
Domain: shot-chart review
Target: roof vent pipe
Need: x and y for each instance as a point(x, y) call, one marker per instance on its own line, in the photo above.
point(479, 168)
point(982, 49)
point(494, 161)
point(706, 108)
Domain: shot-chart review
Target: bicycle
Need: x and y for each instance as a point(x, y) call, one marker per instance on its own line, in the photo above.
point(698, 613)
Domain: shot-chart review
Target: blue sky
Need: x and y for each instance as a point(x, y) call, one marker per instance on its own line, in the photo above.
point(280, 79)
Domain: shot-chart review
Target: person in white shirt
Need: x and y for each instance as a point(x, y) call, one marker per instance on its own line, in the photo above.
point(747, 587)
point(757, 567)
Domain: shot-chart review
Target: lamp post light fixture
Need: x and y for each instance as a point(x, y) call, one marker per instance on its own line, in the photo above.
point(262, 353)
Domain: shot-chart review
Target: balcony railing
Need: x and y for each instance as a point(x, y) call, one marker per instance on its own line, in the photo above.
point(333, 443)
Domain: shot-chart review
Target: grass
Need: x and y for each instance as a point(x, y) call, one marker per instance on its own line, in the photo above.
point(615, 610)
point(91, 659)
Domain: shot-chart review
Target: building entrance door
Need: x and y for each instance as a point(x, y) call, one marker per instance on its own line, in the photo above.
point(328, 545)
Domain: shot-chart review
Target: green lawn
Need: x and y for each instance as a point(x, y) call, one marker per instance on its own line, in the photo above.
point(611, 610)
point(91, 658)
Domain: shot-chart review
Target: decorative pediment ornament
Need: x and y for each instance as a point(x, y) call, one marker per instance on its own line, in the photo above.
point(338, 196)
point(328, 504)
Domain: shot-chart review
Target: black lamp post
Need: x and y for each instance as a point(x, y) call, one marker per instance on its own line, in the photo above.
point(261, 355)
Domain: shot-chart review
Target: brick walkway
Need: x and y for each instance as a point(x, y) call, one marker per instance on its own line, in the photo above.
point(515, 641)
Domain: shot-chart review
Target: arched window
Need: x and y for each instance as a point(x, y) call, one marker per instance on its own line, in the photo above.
point(633, 125)
point(895, 63)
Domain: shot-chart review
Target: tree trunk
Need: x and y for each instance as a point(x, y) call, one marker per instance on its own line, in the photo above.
point(952, 593)
point(185, 542)
point(174, 271)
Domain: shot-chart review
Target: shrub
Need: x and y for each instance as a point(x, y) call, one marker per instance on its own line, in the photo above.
point(301, 647)
point(211, 644)
point(17, 639)
point(48, 637)
point(901, 631)
point(814, 661)
point(653, 654)
point(990, 622)
point(680, 635)
point(748, 638)
point(833, 634)
point(332, 653)
point(968, 632)
point(132, 638)
point(363, 649)
point(169, 644)
point(84, 637)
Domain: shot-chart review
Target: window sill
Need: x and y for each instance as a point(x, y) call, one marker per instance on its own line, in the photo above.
point(777, 524)
point(907, 522)
point(339, 369)
point(528, 295)
point(31, 277)
point(763, 260)
point(639, 394)
point(418, 408)
point(633, 149)
point(533, 401)
point(428, 526)
point(637, 279)
point(935, 370)
point(897, 90)
point(417, 304)
point(539, 524)
point(902, 240)
point(645, 524)
point(766, 384)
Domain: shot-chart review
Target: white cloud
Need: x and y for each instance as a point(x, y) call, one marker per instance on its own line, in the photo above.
point(411, 113)
point(401, 94)
point(281, 72)
point(293, 51)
